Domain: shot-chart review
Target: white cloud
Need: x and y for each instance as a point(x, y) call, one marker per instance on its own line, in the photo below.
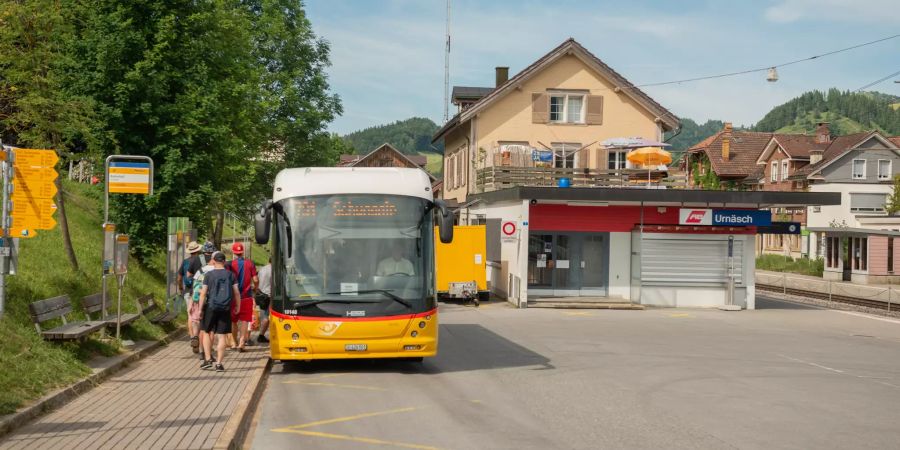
point(853, 11)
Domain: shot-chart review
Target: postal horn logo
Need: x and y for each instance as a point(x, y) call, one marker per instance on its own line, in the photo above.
point(696, 216)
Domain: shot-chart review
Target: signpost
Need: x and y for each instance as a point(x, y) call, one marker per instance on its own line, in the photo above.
point(29, 186)
point(125, 174)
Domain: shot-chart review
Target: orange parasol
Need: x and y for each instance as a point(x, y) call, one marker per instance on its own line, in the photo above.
point(649, 156)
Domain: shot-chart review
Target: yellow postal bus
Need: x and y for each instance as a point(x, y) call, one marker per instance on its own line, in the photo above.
point(353, 263)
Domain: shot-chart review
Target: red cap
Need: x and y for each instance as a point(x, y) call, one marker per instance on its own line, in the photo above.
point(237, 248)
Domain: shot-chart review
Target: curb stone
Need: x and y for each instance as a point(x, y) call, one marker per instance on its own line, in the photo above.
point(60, 397)
point(235, 432)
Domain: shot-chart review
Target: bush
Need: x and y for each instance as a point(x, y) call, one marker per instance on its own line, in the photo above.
point(780, 263)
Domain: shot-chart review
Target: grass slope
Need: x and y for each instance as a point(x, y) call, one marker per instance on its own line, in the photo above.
point(31, 367)
point(435, 165)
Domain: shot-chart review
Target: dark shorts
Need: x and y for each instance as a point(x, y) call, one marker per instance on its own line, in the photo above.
point(218, 322)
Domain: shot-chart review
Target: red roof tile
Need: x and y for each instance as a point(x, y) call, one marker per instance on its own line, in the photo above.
point(798, 145)
point(746, 146)
point(838, 146)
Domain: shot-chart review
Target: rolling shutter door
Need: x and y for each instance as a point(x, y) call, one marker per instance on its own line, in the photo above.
point(689, 262)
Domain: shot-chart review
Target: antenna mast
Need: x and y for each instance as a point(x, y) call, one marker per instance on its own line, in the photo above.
point(447, 69)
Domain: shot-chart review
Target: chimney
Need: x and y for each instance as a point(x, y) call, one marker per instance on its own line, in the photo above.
point(815, 155)
point(726, 142)
point(502, 74)
point(823, 133)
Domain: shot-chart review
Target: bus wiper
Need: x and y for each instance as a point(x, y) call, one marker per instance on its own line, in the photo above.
point(386, 292)
point(333, 300)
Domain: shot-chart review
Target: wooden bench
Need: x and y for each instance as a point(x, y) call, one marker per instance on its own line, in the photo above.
point(94, 304)
point(51, 308)
point(148, 305)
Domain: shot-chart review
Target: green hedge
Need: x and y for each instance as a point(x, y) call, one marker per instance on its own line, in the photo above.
point(780, 263)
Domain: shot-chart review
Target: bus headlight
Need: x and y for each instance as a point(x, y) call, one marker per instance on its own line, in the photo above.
point(287, 327)
point(414, 333)
point(421, 324)
point(295, 336)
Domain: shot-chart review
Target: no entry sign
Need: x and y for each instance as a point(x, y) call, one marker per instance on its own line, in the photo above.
point(509, 231)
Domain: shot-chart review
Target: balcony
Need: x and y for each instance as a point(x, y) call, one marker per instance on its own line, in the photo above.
point(494, 178)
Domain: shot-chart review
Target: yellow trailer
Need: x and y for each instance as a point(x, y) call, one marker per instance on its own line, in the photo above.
point(461, 266)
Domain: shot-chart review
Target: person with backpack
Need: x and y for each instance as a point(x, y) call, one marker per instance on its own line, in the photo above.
point(186, 272)
point(219, 298)
point(195, 314)
point(248, 281)
point(263, 300)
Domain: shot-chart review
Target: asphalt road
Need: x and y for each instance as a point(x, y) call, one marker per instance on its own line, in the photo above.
point(786, 376)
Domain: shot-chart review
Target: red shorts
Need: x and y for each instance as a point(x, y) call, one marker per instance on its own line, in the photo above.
point(246, 314)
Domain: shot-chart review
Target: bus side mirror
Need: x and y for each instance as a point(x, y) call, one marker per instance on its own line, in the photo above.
point(262, 222)
point(445, 222)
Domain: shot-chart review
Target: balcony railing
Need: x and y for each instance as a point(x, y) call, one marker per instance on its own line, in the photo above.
point(493, 178)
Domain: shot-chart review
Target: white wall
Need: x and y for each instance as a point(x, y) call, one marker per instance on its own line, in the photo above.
point(839, 214)
point(514, 252)
point(620, 265)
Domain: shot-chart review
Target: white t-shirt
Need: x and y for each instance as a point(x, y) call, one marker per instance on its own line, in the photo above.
point(265, 279)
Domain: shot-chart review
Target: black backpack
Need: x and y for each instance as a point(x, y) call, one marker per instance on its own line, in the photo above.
point(220, 294)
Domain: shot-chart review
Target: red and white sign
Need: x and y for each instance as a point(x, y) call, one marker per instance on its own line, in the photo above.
point(508, 231)
point(695, 216)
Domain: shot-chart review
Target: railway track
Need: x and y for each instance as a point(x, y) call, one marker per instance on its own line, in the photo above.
point(869, 303)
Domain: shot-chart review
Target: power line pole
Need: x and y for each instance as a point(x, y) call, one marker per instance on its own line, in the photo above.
point(447, 69)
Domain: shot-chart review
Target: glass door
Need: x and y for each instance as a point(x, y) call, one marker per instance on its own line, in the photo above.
point(594, 265)
point(540, 261)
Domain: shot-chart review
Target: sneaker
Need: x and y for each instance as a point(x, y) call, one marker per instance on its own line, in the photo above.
point(220, 368)
point(207, 365)
point(262, 339)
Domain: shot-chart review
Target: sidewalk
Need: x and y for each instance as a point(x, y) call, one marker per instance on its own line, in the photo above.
point(163, 401)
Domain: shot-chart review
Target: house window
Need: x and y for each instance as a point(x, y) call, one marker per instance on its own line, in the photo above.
point(859, 169)
point(565, 154)
point(567, 108)
point(867, 202)
point(773, 176)
point(884, 169)
point(617, 160)
point(784, 169)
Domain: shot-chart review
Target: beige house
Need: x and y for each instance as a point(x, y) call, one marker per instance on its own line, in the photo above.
point(554, 113)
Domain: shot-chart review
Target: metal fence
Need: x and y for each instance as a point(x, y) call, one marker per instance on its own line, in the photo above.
point(866, 295)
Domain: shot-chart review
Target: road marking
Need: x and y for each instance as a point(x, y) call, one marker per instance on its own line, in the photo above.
point(301, 429)
point(581, 313)
point(345, 437)
point(321, 377)
point(867, 316)
point(349, 418)
point(831, 369)
point(680, 315)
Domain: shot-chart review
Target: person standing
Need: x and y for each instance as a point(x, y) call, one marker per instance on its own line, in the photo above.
point(185, 283)
point(264, 299)
point(248, 281)
point(219, 298)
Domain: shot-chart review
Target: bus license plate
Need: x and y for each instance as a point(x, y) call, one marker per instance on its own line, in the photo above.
point(355, 347)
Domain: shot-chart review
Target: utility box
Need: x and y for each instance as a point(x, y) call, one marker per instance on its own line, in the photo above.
point(461, 266)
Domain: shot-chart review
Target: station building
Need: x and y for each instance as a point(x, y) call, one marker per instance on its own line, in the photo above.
point(677, 248)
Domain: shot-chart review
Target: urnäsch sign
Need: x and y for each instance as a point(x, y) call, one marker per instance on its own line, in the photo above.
point(724, 217)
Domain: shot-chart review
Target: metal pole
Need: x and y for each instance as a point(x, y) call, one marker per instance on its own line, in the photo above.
point(447, 69)
point(889, 297)
point(784, 285)
point(829, 290)
point(7, 161)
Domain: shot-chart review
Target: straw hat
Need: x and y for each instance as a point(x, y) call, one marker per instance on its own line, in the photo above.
point(193, 247)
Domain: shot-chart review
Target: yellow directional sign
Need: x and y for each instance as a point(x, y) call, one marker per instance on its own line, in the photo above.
point(36, 213)
point(34, 183)
point(28, 157)
point(24, 233)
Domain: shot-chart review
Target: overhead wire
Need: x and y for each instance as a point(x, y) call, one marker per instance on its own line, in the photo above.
point(880, 80)
point(763, 69)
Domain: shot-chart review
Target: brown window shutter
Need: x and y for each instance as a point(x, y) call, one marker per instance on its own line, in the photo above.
point(540, 108)
point(594, 114)
point(602, 159)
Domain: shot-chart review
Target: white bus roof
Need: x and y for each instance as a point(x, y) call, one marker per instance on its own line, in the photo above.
point(307, 181)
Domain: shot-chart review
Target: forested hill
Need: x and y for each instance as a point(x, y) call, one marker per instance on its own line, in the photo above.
point(410, 136)
point(847, 112)
point(692, 133)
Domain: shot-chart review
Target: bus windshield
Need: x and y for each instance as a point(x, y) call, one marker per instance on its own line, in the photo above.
point(354, 255)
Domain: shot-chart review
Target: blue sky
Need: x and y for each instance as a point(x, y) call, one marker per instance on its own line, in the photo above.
point(388, 62)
